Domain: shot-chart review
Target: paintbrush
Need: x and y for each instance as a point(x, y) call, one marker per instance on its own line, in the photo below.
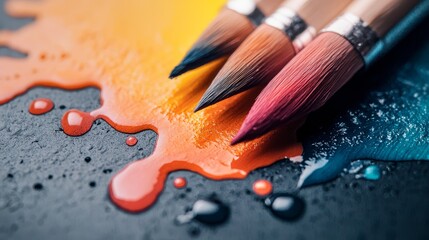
point(273, 44)
point(325, 65)
point(227, 31)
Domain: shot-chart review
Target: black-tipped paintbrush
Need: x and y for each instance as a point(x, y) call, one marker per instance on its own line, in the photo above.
point(227, 31)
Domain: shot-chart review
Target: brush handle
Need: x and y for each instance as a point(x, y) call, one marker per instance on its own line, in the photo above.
point(247, 8)
point(317, 13)
point(416, 16)
point(357, 24)
point(381, 15)
point(254, 10)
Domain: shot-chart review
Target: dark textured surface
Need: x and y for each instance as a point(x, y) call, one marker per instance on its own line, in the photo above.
point(33, 147)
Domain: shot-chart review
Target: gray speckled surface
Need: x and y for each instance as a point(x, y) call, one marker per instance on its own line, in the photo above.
point(33, 147)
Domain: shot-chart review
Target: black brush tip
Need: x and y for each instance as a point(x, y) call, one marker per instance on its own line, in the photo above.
point(197, 57)
point(201, 105)
point(177, 71)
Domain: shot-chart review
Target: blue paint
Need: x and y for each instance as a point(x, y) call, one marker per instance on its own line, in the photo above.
point(382, 114)
point(371, 172)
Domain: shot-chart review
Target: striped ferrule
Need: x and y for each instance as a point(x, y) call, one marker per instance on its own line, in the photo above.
point(356, 31)
point(247, 8)
point(288, 21)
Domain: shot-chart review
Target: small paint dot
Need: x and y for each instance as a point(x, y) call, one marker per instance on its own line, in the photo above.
point(131, 141)
point(180, 182)
point(62, 107)
point(262, 187)
point(42, 56)
point(106, 171)
point(50, 177)
point(10, 175)
point(38, 186)
point(92, 184)
point(372, 172)
point(88, 159)
point(41, 106)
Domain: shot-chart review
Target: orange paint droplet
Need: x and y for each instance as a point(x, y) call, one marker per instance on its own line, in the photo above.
point(180, 182)
point(131, 141)
point(41, 106)
point(76, 123)
point(262, 187)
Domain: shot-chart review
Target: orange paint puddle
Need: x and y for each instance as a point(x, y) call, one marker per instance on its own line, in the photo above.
point(41, 106)
point(127, 49)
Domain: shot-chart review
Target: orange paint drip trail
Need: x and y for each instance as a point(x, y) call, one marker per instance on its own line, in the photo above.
point(127, 50)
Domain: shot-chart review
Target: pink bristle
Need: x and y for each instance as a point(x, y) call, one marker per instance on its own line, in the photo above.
point(302, 86)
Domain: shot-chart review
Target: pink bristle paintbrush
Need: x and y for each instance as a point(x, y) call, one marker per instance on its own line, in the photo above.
point(324, 66)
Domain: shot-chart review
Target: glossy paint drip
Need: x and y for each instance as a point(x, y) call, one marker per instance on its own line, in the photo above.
point(41, 106)
point(126, 50)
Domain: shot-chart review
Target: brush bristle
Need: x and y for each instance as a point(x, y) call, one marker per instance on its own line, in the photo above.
point(304, 85)
point(227, 31)
point(258, 59)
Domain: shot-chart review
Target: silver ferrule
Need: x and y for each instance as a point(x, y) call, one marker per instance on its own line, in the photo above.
point(356, 31)
point(293, 26)
point(247, 8)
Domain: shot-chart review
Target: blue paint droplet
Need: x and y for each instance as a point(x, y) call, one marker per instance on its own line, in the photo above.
point(372, 172)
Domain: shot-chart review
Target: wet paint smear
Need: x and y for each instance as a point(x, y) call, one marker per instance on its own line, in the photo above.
point(180, 182)
point(285, 206)
point(41, 106)
point(209, 211)
point(120, 51)
point(381, 115)
point(131, 141)
point(262, 187)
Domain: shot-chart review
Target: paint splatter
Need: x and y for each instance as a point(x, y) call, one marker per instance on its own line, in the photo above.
point(262, 187)
point(131, 141)
point(129, 63)
point(41, 106)
point(382, 115)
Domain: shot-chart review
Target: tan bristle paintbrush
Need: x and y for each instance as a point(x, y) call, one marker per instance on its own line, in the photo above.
point(227, 31)
point(324, 66)
point(273, 44)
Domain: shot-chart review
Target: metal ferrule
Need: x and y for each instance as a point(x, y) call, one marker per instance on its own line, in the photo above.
point(293, 26)
point(247, 8)
point(356, 31)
